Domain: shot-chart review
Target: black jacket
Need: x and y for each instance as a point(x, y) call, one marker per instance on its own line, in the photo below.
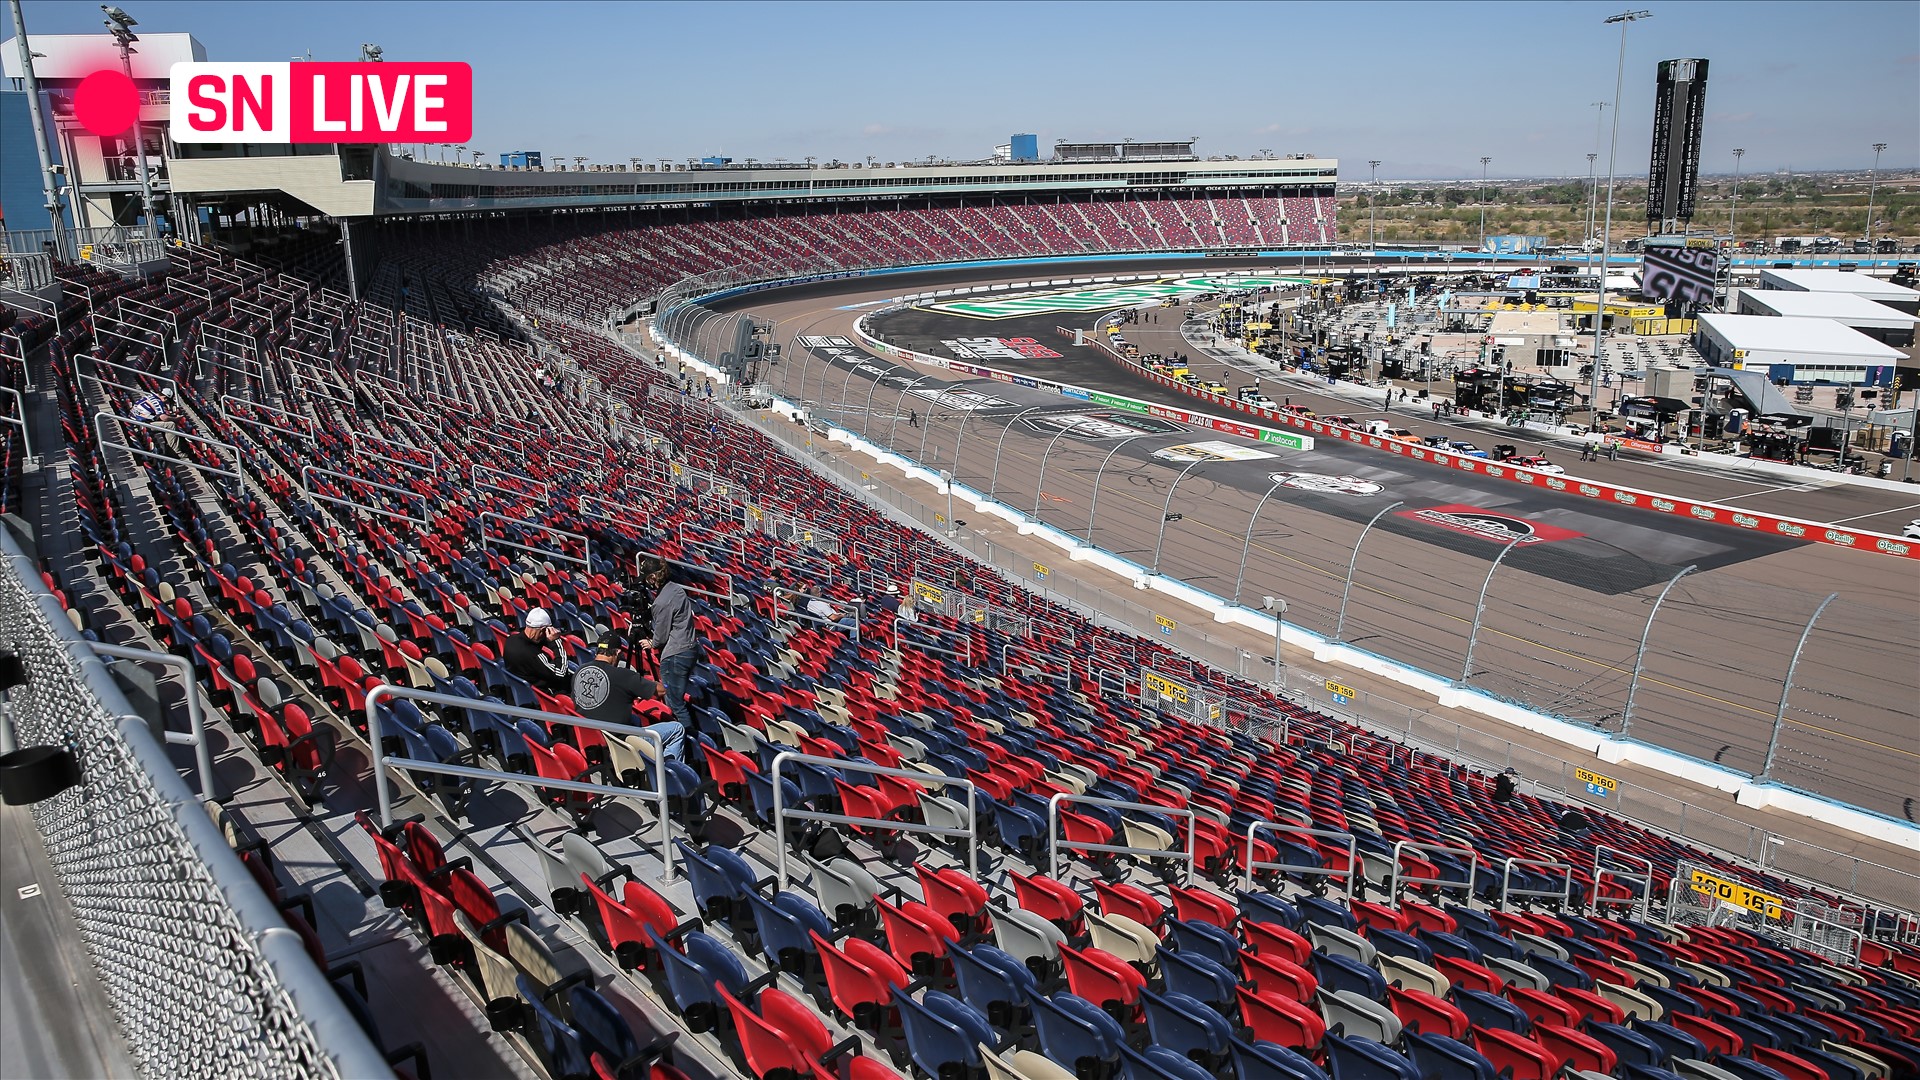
point(523, 658)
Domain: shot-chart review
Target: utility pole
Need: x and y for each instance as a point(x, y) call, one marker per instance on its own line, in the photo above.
point(49, 180)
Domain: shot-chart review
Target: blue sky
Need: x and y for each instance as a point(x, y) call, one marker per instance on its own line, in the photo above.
point(1426, 88)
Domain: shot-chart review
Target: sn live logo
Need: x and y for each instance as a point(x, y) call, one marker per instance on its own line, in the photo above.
point(321, 103)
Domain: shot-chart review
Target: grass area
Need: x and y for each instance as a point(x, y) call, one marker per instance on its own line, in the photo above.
point(1770, 206)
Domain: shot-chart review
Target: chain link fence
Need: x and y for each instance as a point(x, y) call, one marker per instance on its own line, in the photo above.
point(204, 977)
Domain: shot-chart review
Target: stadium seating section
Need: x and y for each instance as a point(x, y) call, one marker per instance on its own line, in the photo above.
point(392, 496)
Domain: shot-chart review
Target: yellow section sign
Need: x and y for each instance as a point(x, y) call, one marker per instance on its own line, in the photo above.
point(1336, 688)
point(1736, 894)
point(1165, 687)
point(1585, 777)
point(928, 593)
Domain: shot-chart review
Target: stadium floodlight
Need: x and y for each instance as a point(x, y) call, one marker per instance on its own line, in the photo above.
point(1733, 214)
point(1483, 202)
point(1373, 187)
point(1873, 180)
point(1279, 608)
point(1624, 19)
point(120, 25)
point(1593, 199)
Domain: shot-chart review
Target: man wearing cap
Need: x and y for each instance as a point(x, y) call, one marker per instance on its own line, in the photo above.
point(605, 690)
point(525, 653)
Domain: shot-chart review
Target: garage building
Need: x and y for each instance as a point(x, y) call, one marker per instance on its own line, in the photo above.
point(1796, 350)
point(1874, 319)
point(1879, 290)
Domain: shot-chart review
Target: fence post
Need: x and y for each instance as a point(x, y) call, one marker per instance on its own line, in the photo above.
point(1340, 625)
point(1241, 577)
point(1480, 609)
point(1166, 511)
point(900, 403)
point(1094, 506)
point(993, 481)
point(1040, 488)
point(1780, 717)
point(1633, 686)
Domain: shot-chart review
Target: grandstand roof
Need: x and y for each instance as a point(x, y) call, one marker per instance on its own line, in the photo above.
point(403, 186)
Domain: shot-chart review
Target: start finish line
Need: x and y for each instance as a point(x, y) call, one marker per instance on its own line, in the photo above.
point(1105, 296)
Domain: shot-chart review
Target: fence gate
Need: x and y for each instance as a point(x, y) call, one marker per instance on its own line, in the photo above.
point(1703, 897)
point(1181, 697)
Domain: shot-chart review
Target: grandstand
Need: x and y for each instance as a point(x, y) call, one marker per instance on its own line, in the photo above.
point(960, 839)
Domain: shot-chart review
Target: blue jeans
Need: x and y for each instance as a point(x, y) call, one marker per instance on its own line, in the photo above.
point(675, 670)
point(673, 738)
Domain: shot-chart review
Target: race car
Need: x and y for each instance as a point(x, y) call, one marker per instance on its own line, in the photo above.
point(1538, 464)
point(1912, 531)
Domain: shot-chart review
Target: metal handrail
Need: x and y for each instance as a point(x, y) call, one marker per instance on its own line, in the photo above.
point(355, 435)
point(640, 557)
point(1639, 907)
point(618, 511)
point(20, 421)
point(1029, 656)
point(1188, 856)
point(100, 437)
point(586, 543)
point(383, 787)
point(713, 538)
point(1353, 854)
point(545, 494)
point(859, 616)
point(309, 493)
point(228, 413)
point(1397, 879)
point(1507, 891)
point(781, 814)
point(196, 733)
point(157, 376)
point(965, 657)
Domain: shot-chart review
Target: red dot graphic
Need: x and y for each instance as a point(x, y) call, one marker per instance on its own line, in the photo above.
point(106, 102)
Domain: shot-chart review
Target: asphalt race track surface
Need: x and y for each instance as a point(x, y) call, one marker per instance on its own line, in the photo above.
point(1565, 609)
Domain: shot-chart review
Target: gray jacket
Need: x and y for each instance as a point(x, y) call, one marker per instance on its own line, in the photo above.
point(673, 630)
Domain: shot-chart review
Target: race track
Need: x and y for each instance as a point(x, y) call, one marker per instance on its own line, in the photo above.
point(1565, 610)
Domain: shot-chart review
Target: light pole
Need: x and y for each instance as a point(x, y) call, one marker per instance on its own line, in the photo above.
point(1593, 197)
point(1873, 181)
point(1593, 192)
point(1733, 215)
point(49, 178)
point(946, 479)
point(1606, 235)
point(1279, 609)
point(1373, 185)
point(120, 25)
point(1483, 202)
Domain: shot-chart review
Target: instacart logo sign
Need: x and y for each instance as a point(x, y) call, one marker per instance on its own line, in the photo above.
point(1105, 296)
